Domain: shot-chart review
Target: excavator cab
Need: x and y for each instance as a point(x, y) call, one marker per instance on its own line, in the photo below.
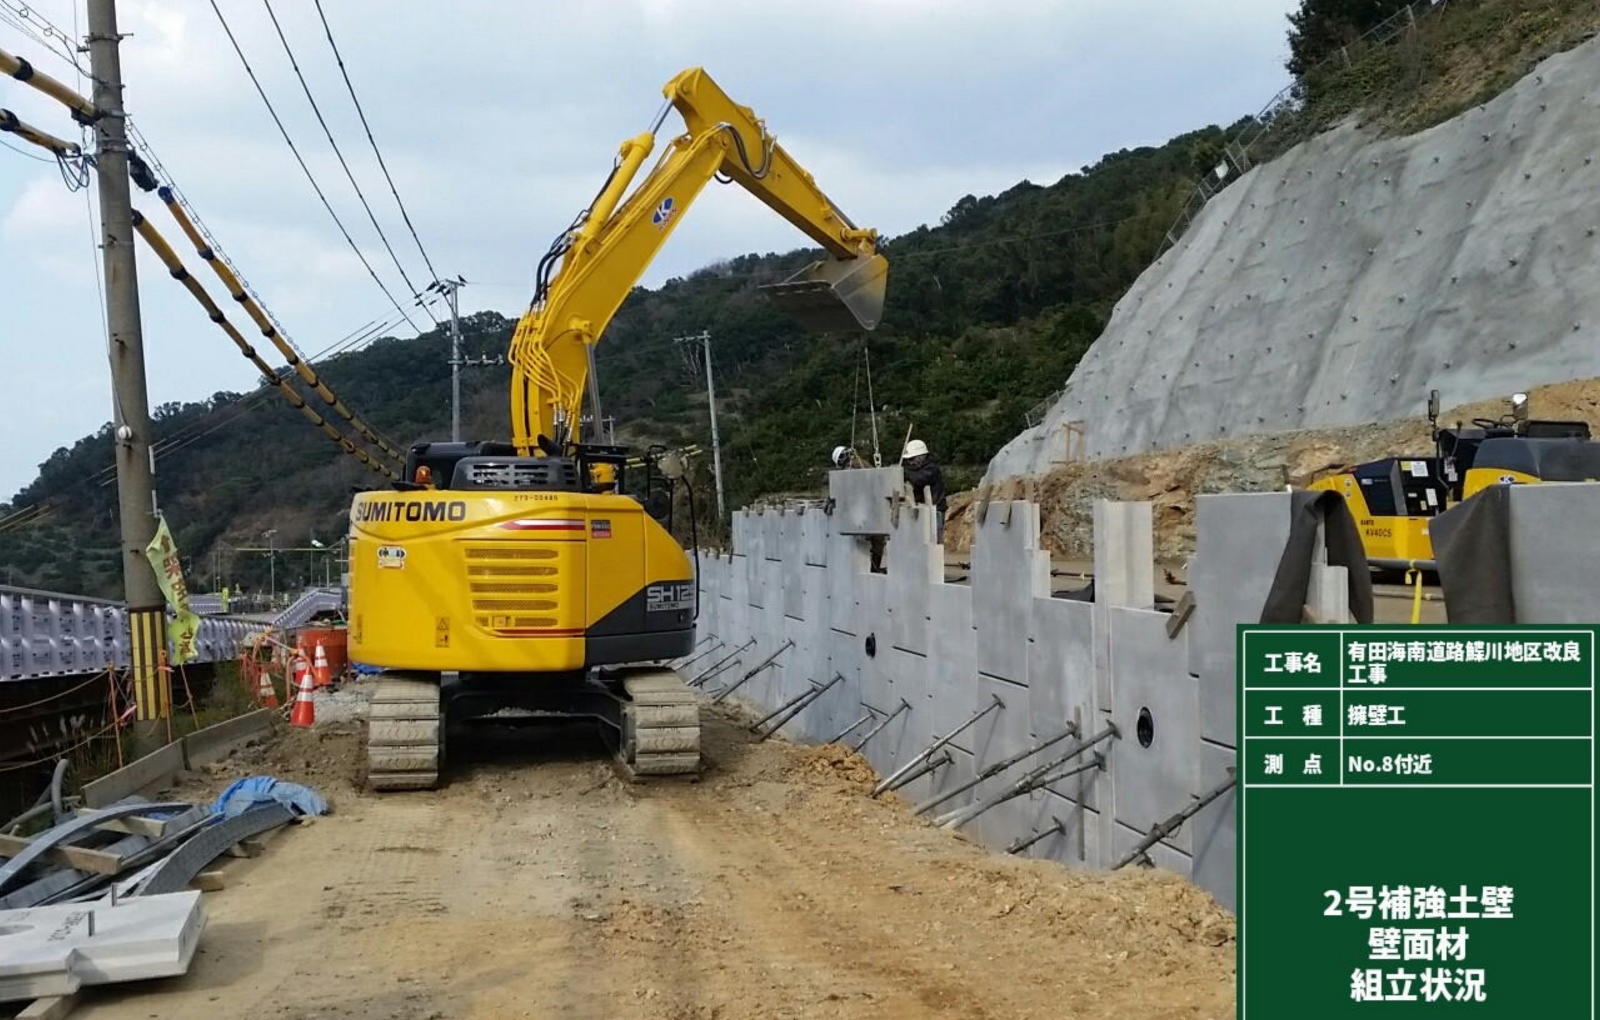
point(835, 295)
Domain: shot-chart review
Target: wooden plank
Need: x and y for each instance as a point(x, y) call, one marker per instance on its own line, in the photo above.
point(209, 881)
point(53, 1008)
point(97, 861)
point(251, 847)
point(134, 825)
point(1180, 614)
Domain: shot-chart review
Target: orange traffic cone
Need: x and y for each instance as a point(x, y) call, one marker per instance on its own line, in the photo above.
point(304, 712)
point(266, 692)
point(320, 667)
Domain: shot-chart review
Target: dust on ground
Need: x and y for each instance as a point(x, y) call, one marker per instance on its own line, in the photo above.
point(1171, 479)
point(538, 883)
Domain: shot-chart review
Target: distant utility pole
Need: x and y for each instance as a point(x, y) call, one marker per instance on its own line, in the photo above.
point(691, 356)
point(458, 357)
point(130, 409)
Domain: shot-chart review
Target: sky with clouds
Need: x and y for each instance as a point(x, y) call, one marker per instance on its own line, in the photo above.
point(499, 119)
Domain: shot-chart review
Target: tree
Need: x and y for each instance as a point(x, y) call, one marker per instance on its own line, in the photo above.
point(1320, 27)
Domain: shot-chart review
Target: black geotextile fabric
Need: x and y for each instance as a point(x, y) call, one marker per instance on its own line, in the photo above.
point(1472, 548)
point(1287, 598)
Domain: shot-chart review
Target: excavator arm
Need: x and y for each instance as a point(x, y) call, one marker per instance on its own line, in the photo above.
point(593, 265)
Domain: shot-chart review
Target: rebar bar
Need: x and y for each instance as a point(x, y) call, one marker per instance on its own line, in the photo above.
point(1161, 830)
point(995, 769)
point(768, 661)
point(895, 780)
point(1031, 780)
point(803, 702)
point(1027, 841)
point(904, 706)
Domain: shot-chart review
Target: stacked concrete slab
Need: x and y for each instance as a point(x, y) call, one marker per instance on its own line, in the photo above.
point(923, 657)
point(1339, 283)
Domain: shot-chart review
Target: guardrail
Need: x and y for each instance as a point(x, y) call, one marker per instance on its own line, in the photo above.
point(46, 633)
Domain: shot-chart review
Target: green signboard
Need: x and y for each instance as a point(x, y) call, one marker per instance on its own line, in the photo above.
point(1416, 822)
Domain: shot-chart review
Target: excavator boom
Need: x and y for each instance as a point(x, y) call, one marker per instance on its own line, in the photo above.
point(593, 265)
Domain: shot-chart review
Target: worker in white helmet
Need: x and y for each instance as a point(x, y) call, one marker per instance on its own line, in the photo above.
point(926, 480)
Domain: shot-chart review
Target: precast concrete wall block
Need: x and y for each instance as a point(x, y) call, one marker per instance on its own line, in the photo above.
point(864, 499)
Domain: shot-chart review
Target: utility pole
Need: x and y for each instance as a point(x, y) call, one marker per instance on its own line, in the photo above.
point(704, 340)
point(458, 357)
point(136, 498)
point(272, 565)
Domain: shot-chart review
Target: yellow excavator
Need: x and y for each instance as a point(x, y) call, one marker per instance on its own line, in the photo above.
point(516, 579)
point(1393, 500)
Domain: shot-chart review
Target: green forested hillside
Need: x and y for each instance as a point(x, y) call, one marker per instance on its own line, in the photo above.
point(988, 311)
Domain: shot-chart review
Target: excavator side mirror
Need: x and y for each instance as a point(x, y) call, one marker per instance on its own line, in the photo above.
point(834, 295)
point(1433, 405)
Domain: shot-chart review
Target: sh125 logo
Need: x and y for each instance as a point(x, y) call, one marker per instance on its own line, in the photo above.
point(669, 596)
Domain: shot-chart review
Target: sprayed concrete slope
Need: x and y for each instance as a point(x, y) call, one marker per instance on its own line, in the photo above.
point(1339, 283)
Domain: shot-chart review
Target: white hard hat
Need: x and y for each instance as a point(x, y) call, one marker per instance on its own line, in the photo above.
point(915, 448)
point(840, 457)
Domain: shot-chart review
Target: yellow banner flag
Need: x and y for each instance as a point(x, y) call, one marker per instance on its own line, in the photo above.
point(184, 628)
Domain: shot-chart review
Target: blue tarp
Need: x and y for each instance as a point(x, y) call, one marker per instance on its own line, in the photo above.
point(246, 793)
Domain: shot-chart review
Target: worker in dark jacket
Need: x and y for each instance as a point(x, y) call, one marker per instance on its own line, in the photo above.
point(926, 480)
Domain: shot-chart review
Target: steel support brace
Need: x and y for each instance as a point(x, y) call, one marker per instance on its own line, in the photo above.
point(764, 664)
point(995, 769)
point(695, 656)
point(898, 779)
point(926, 767)
point(852, 727)
point(795, 707)
point(1027, 841)
point(1161, 830)
point(1029, 781)
point(904, 706)
point(1099, 762)
point(720, 664)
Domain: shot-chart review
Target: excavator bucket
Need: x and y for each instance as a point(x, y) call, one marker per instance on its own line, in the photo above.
point(835, 294)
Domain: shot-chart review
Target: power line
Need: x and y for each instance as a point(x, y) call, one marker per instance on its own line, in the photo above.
point(25, 152)
point(306, 169)
point(42, 30)
point(374, 142)
point(350, 176)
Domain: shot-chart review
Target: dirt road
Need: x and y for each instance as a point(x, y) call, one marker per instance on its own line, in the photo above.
point(539, 884)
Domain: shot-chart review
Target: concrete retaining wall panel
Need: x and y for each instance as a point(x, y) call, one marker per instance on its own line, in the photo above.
point(814, 536)
point(1553, 578)
point(1214, 829)
point(1239, 539)
point(863, 499)
point(1060, 664)
point(1009, 571)
point(914, 565)
point(1148, 672)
